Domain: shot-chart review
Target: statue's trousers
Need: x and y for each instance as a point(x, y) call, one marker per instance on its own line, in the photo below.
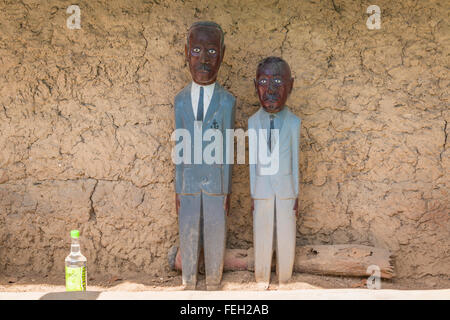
point(274, 229)
point(202, 222)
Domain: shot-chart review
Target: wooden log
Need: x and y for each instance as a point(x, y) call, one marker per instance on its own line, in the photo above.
point(342, 259)
point(235, 259)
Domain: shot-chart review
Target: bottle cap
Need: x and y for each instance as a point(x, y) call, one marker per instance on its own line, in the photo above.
point(75, 234)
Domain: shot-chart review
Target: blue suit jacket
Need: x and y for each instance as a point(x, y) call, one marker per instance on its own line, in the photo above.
point(211, 178)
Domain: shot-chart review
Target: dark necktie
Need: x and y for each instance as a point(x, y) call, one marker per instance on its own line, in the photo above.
point(272, 126)
point(200, 106)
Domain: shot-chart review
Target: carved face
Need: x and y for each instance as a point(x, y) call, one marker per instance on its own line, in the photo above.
point(273, 85)
point(204, 54)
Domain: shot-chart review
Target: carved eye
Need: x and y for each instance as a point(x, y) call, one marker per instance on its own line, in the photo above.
point(196, 50)
point(262, 81)
point(278, 81)
point(212, 51)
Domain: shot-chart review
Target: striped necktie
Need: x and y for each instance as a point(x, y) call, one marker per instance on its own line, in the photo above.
point(200, 106)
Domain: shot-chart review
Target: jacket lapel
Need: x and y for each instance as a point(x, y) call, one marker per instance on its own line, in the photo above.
point(189, 112)
point(262, 125)
point(284, 124)
point(214, 105)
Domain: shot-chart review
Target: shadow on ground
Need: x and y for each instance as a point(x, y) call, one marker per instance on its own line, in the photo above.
point(85, 295)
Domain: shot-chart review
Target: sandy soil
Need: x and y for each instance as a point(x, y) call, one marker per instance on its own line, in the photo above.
point(232, 281)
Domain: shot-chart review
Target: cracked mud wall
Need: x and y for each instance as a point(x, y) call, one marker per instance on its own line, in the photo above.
point(86, 116)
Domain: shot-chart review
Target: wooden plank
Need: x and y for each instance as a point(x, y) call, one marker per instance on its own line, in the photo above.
point(343, 259)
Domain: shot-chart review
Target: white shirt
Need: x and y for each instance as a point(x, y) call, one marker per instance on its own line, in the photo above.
point(208, 92)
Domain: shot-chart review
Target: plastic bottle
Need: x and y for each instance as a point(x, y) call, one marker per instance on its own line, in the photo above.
point(75, 265)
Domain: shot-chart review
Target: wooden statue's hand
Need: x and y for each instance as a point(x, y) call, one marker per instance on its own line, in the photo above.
point(296, 208)
point(177, 202)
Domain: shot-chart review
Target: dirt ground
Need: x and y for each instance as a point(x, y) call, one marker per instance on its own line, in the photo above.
point(232, 281)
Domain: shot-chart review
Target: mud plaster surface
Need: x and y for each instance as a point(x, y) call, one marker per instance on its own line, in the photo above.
point(86, 116)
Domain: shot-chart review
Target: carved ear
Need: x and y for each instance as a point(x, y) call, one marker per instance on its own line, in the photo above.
point(186, 54)
point(292, 85)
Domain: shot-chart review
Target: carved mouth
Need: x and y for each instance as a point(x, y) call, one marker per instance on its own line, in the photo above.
point(271, 99)
point(204, 68)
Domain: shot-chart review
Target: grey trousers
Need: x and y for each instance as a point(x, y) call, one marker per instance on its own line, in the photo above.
point(270, 214)
point(202, 221)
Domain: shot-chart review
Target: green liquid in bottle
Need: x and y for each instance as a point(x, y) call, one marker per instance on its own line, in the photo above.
point(75, 265)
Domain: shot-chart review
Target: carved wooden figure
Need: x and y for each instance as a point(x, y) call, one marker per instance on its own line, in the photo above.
point(203, 190)
point(275, 194)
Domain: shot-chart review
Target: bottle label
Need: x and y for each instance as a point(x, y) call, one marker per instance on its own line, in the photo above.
point(75, 279)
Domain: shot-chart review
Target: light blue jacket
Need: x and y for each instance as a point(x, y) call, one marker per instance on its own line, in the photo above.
point(284, 183)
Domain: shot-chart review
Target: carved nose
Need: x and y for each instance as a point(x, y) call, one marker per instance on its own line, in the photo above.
point(271, 87)
point(203, 57)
